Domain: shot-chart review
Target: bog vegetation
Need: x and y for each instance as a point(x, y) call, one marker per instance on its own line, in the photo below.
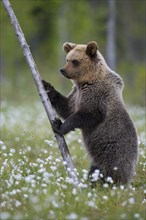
point(34, 184)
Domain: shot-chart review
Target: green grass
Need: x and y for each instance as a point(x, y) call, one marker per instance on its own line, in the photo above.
point(34, 184)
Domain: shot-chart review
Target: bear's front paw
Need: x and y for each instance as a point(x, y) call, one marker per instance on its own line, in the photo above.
point(56, 125)
point(48, 87)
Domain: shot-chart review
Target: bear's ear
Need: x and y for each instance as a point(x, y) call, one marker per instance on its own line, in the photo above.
point(91, 49)
point(68, 46)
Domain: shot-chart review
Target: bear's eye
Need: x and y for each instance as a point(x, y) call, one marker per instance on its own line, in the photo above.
point(75, 62)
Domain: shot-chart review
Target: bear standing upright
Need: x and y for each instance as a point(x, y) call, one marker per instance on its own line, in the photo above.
point(95, 105)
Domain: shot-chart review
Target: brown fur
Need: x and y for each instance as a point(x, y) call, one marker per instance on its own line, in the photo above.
point(95, 105)
point(86, 71)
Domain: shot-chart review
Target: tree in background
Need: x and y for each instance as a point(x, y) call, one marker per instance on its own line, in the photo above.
point(117, 26)
point(111, 35)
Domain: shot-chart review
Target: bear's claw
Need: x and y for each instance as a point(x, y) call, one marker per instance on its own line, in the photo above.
point(48, 87)
point(56, 125)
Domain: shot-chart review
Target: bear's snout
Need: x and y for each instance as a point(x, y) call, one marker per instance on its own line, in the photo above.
point(62, 70)
point(64, 73)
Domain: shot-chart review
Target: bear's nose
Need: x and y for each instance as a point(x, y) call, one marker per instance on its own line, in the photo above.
point(62, 70)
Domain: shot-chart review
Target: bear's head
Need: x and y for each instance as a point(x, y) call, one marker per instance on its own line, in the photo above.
point(81, 62)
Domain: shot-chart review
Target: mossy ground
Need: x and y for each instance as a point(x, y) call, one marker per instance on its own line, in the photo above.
point(34, 184)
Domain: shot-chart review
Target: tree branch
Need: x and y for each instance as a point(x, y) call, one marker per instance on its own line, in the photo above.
point(45, 100)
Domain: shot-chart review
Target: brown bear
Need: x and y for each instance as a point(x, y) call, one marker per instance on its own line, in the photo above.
point(95, 105)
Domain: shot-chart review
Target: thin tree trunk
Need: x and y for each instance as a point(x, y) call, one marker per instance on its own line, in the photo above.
point(111, 35)
point(45, 100)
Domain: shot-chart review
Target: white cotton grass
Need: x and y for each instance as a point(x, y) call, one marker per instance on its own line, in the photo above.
point(109, 179)
point(95, 176)
point(131, 200)
point(72, 216)
point(35, 183)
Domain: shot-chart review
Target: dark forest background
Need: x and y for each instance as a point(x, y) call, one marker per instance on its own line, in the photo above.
point(118, 26)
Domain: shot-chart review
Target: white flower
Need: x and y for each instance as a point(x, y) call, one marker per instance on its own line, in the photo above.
point(124, 203)
point(105, 197)
point(64, 186)
point(84, 171)
point(38, 160)
point(64, 163)
point(91, 203)
point(42, 170)
point(25, 195)
point(69, 180)
point(17, 203)
point(51, 214)
point(85, 176)
point(89, 194)
point(72, 216)
point(17, 139)
point(3, 147)
point(95, 175)
point(44, 185)
point(17, 176)
point(131, 200)
point(3, 204)
point(12, 151)
point(60, 179)
point(144, 201)
point(29, 178)
point(4, 215)
point(55, 204)
point(57, 160)
point(82, 185)
point(49, 158)
point(114, 187)
point(101, 175)
point(45, 175)
point(68, 169)
point(105, 185)
point(109, 179)
point(50, 143)
point(74, 191)
point(123, 216)
point(1, 142)
point(122, 187)
point(28, 148)
point(136, 215)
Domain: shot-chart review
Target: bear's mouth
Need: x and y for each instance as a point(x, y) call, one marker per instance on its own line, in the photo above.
point(64, 73)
